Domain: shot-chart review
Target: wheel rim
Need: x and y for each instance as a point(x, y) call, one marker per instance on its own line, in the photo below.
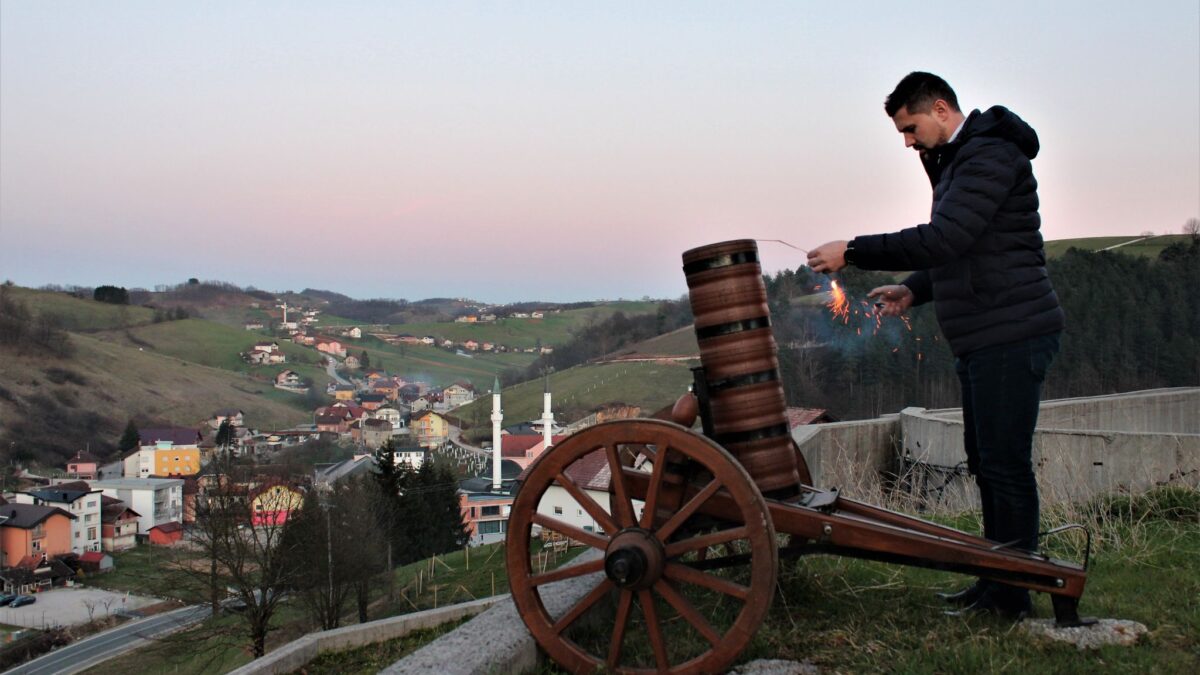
point(668, 613)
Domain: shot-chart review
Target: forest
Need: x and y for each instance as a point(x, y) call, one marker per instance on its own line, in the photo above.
point(1132, 323)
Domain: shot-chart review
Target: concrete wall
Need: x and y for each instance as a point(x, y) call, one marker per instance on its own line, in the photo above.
point(1083, 447)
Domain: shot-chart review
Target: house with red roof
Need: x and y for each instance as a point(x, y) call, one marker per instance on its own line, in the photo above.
point(592, 474)
point(524, 448)
point(167, 534)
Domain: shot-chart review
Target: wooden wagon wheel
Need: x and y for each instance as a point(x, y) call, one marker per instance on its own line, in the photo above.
point(667, 614)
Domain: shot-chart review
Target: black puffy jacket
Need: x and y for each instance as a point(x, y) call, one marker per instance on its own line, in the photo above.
point(980, 258)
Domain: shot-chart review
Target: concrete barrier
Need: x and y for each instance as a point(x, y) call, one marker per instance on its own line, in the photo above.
point(297, 653)
point(1083, 447)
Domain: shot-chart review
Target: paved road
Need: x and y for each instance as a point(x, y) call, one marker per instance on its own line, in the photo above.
point(100, 647)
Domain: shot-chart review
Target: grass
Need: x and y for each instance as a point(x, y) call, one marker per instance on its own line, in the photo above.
point(145, 570)
point(847, 615)
point(209, 343)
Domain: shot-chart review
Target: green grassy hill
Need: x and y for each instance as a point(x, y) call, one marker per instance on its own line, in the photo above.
point(1148, 247)
point(75, 314)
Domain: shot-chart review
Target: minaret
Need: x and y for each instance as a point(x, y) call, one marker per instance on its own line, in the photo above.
point(497, 417)
point(547, 416)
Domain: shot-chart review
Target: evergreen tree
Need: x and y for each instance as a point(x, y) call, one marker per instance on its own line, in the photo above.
point(364, 360)
point(129, 439)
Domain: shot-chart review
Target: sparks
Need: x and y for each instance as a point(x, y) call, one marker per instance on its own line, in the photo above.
point(838, 304)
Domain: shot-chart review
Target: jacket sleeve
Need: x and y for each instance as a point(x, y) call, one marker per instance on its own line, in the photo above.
point(981, 182)
point(921, 287)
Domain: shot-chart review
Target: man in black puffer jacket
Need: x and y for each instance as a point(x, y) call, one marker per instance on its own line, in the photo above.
point(981, 261)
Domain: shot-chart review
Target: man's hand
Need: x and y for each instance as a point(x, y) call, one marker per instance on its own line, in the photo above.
point(828, 258)
point(894, 300)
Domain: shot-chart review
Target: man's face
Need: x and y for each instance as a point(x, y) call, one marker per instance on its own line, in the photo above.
point(922, 131)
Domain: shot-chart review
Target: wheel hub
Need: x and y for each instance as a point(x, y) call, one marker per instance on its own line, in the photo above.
point(634, 559)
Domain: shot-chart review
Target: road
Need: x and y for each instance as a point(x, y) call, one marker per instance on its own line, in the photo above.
point(86, 653)
point(331, 368)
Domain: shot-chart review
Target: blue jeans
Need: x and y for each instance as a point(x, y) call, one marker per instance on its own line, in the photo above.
point(1001, 392)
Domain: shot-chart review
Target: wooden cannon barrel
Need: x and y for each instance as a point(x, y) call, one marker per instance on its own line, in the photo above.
point(741, 362)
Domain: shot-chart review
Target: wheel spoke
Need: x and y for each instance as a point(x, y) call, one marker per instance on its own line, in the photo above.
point(687, 611)
point(678, 572)
point(569, 572)
point(622, 620)
point(656, 477)
point(654, 629)
point(624, 507)
point(678, 548)
point(594, 510)
point(590, 538)
point(664, 533)
point(582, 606)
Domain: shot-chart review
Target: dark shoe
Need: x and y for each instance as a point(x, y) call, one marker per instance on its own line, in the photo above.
point(967, 596)
point(1005, 602)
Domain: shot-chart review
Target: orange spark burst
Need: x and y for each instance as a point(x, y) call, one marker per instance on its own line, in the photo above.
point(838, 304)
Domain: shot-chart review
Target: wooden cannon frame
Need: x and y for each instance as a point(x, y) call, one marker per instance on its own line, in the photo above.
point(706, 530)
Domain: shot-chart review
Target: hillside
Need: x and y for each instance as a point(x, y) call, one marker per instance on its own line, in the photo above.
point(1146, 247)
point(53, 407)
point(75, 314)
point(554, 329)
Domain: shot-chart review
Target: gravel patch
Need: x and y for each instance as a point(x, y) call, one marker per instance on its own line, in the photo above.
point(776, 667)
point(1119, 632)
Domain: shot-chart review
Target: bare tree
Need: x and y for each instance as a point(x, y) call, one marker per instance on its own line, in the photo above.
point(1192, 227)
point(243, 534)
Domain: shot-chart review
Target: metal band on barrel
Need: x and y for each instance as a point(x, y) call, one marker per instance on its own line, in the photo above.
point(733, 327)
point(744, 380)
point(774, 431)
point(723, 260)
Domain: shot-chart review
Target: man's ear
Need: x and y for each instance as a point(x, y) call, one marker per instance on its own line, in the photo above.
point(940, 110)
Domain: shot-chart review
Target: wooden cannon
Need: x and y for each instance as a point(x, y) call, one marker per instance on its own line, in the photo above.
point(690, 524)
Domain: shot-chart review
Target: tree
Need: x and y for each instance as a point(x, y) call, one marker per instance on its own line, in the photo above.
point(339, 550)
point(225, 437)
point(114, 295)
point(1192, 228)
point(364, 360)
point(251, 557)
point(129, 438)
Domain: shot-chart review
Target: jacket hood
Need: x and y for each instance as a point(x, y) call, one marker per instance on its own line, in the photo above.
point(1000, 122)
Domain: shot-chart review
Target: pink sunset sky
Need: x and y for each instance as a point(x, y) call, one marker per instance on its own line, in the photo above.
point(547, 150)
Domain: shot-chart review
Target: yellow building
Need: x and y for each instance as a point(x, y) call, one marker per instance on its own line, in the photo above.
point(430, 428)
point(176, 461)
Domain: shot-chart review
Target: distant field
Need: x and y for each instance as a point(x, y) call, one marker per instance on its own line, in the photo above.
point(1132, 245)
point(680, 342)
point(577, 391)
point(554, 329)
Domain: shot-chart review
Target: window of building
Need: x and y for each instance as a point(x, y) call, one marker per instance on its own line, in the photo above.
point(489, 511)
point(91, 533)
point(491, 526)
point(587, 528)
point(558, 510)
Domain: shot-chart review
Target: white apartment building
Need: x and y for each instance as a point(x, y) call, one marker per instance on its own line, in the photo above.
point(158, 500)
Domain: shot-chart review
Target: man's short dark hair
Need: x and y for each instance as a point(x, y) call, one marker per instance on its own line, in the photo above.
point(917, 92)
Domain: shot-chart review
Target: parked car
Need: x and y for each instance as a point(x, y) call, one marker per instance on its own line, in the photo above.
point(6, 598)
point(22, 600)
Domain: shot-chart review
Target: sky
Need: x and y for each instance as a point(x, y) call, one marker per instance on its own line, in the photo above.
point(558, 151)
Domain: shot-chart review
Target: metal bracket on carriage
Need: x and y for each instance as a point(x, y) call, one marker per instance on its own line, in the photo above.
point(824, 500)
